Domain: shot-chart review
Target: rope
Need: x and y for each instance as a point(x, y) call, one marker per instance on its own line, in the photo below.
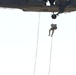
point(50, 55)
point(37, 45)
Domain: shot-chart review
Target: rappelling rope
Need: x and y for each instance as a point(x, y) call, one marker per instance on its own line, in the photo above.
point(50, 55)
point(53, 27)
point(50, 52)
point(37, 45)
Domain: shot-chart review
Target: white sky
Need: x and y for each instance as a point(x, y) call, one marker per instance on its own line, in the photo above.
point(18, 37)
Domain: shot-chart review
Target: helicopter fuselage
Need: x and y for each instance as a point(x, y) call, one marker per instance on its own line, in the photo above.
point(39, 5)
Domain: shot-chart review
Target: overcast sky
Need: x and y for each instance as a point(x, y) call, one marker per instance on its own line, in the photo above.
point(18, 38)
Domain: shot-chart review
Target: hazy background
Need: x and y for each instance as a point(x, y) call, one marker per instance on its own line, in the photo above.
point(18, 37)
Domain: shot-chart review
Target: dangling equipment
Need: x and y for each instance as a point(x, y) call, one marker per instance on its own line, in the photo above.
point(53, 28)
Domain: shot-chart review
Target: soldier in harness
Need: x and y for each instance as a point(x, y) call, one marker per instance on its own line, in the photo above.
point(53, 27)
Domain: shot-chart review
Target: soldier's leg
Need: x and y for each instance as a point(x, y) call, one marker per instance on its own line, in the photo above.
point(49, 32)
point(52, 33)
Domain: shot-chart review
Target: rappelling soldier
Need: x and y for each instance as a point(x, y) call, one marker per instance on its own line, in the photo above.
point(53, 27)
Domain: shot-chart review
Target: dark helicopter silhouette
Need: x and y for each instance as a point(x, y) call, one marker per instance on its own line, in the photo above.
point(59, 6)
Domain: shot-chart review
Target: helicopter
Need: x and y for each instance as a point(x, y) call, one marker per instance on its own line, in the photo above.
point(59, 6)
